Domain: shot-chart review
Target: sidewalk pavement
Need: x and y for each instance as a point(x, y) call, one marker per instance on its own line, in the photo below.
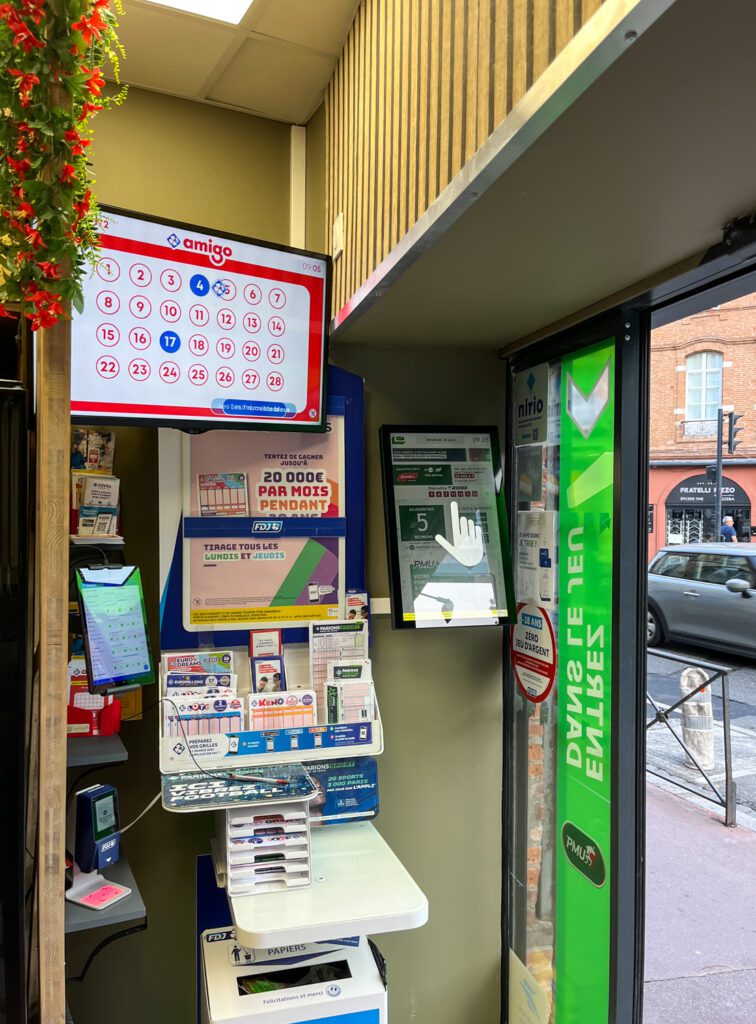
point(700, 916)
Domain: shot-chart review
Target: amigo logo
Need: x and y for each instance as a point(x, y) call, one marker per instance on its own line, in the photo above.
point(215, 251)
point(584, 854)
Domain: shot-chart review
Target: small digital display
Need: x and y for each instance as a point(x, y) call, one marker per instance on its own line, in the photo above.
point(115, 626)
point(104, 811)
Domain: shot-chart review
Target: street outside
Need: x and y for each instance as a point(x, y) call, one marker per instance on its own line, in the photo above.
point(664, 754)
point(700, 963)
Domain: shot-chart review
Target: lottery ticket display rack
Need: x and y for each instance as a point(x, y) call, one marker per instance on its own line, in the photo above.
point(358, 886)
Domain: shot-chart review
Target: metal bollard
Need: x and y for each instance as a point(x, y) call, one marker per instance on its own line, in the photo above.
point(697, 718)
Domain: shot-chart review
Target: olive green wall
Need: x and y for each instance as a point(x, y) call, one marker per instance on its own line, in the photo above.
point(441, 703)
point(195, 162)
point(230, 172)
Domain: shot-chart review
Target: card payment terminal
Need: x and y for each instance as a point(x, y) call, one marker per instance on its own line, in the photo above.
point(98, 846)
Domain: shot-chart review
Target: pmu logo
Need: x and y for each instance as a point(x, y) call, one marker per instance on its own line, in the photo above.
point(584, 854)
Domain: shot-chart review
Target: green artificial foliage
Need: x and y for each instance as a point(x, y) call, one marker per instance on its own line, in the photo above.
point(52, 57)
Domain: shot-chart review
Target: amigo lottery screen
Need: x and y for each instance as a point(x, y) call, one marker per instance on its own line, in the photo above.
point(185, 326)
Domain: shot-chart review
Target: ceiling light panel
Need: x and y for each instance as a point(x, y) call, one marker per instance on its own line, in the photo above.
point(230, 11)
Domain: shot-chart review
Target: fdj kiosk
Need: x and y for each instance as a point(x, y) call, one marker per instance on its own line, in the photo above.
point(269, 714)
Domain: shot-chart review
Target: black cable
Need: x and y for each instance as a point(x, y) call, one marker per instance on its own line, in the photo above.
point(106, 942)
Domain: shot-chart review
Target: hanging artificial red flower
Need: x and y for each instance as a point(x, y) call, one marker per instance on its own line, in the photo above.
point(46, 205)
point(26, 82)
point(49, 270)
point(94, 82)
point(91, 27)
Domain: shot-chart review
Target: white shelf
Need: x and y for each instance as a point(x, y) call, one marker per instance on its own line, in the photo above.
point(359, 887)
point(97, 540)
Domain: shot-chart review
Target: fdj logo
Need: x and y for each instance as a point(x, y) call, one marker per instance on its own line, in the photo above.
point(584, 854)
point(267, 526)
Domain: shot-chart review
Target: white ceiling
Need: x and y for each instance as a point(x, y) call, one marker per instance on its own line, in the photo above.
point(275, 63)
point(640, 173)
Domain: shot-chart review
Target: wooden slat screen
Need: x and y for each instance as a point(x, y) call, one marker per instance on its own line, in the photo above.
point(419, 86)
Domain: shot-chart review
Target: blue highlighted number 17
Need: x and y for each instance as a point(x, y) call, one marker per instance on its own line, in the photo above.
point(170, 341)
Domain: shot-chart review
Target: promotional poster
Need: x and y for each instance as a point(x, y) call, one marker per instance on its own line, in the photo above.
point(273, 567)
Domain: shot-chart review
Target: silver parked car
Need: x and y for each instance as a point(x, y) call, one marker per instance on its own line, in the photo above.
point(701, 593)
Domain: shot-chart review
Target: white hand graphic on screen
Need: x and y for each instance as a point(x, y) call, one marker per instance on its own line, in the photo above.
point(467, 539)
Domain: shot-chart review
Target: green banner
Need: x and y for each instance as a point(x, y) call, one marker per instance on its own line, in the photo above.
point(583, 834)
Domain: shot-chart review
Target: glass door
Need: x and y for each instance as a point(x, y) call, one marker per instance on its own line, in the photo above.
point(574, 779)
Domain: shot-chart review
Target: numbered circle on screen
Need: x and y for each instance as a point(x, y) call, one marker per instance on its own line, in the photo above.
point(170, 341)
point(140, 307)
point(225, 348)
point(139, 369)
point(140, 275)
point(139, 338)
point(276, 327)
point(250, 379)
point(225, 376)
point(251, 351)
point(252, 294)
point(170, 311)
point(252, 323)
point(108, 335)
point(107, 367)
point(226, 319)
point(226, 289)
point(199, 345)
point(108, 302)
point(197, 374)
point(276, 298)
point(169, 372)
point(276, 354)
point(199, 284)
point(108, 269)
point(170, 280)
point(199, 316)
point(275, 381)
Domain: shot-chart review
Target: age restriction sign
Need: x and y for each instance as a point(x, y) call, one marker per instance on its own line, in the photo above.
point(533, 652)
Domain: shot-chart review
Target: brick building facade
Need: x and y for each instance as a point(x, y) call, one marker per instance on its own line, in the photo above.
point(698, 364)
